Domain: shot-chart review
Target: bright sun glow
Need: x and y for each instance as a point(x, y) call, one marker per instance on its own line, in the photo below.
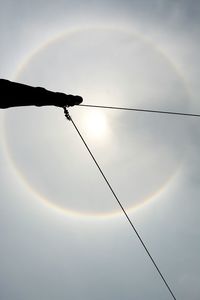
point(96, 124)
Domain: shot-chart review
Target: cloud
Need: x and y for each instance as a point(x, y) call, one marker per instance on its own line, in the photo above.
point(49, 255)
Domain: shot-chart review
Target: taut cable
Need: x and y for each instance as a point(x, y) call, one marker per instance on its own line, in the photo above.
point(119, 202)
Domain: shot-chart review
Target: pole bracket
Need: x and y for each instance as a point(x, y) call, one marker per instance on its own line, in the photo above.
point(67, 115)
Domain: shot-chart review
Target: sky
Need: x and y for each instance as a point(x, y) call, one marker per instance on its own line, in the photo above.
point(62, 234)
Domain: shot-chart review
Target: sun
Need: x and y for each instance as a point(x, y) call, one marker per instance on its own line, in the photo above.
point(95, 124)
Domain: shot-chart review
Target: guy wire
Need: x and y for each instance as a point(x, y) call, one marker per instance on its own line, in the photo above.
point(142, 110)
point(120, 204)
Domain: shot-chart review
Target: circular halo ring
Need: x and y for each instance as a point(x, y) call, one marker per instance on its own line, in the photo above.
point(38, 195)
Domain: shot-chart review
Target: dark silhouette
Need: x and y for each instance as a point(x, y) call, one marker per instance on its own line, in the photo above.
point(14, 94)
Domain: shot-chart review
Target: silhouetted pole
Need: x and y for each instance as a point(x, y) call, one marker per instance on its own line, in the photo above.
point(14, 94)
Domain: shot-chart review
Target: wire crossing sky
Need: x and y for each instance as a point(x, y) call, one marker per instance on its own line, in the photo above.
point(143, 110)
point(68, 117)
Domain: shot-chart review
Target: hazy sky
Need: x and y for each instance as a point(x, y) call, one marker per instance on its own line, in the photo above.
point(62, 235)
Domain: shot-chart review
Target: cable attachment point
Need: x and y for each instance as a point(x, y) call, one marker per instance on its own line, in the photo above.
point(67, 115)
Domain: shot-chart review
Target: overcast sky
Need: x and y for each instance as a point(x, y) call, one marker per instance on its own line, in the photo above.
point(62, 234)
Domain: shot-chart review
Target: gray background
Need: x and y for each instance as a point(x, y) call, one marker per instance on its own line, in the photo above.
point(48, 254)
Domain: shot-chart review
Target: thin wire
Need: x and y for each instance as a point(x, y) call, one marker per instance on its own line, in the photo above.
point(142, 110)
point(121, 206)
